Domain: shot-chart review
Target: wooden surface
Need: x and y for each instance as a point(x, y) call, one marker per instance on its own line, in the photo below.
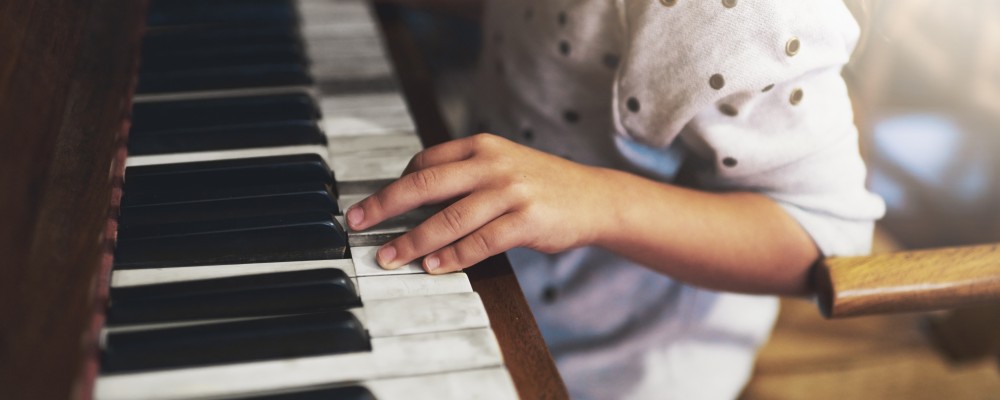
point(65, 69)
point(525, 353)
point(869, 357)
point(909, 281)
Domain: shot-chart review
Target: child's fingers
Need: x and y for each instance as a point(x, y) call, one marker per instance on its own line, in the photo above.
point(442, 228)
point(427, 186)
point(502, 234)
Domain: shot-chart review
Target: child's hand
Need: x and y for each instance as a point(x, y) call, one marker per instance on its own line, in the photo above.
point(507, 196)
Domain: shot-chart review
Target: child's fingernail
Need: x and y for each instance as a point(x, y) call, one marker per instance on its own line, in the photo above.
point(355, 216)
point(385, 256)
point(431, 263)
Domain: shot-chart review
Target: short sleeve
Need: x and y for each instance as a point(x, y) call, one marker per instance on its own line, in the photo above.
point(753, 90)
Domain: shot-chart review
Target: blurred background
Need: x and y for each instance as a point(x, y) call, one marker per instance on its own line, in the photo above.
point(925, 81)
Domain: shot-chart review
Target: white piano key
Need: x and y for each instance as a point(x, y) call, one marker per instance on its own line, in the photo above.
point(424, 314)
point(149, 276)
point(390, 357)
point(480, 384)
point(365, 264)
point(362, 146)
point(369, 113)
point(411, 285)
point(210, 94)
point(359, 68)
point(335, 48)
point(378, 169)
point(325, 13)
point(176, 158)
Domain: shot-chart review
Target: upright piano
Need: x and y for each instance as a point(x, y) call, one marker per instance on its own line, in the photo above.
point(174, 174)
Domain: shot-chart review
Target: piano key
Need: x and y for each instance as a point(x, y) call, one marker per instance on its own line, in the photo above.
point(280, 293)
point(161, 40)
point(259, 75)
point(227, 111)
point(181, 158)
point(213, 56)
point(482, 384)
point(339, 393)
point(411, 285)
point(363, 146)
point(136, 277)
point(241, 341)
point(390, 357)
point(209, 204)
point(293, 237)
point(423, 314)
point(258, 171)
point(143, 98)
point(263, 134)
point(365, 264)
point(369, 113)
point(197, 12)
point(408, 315)
point(370, 287)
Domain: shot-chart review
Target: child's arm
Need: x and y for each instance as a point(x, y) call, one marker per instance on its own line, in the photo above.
point(513, 196)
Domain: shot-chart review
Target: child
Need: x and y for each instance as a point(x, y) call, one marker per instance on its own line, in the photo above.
point(629, 275)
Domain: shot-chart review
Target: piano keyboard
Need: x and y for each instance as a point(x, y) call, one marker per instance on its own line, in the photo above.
point(256, 123)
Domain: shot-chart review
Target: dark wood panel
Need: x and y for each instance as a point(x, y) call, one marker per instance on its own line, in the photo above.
point(527, 357)
point(65, 72)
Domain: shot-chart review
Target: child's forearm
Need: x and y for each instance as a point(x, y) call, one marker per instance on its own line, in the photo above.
point(735, 241)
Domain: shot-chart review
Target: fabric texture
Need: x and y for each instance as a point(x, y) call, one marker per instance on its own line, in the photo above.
point(748, 92)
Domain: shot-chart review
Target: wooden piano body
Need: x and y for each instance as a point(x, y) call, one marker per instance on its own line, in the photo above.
point(67, 73)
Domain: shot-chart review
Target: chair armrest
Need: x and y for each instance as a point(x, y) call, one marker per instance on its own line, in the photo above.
point(920, 280)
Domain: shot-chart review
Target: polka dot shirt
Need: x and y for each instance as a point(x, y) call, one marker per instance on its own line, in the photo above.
point(749, 90)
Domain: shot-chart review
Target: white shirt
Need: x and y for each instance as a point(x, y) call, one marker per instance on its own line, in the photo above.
point(749, 89)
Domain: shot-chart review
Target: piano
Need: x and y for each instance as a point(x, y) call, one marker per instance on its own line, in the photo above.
point(174, 176)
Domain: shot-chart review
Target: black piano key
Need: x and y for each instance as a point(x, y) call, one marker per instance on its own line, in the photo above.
point(280, 293)
point(235, 77)
point(320, 192)
point(203, 57)
point(170, 115)
point(336, 393)
point(265, 134)
point(259, 171)
point(161, 40)
point(201, 12)
point(228, 204)
point(231, 342)
point(306, 236)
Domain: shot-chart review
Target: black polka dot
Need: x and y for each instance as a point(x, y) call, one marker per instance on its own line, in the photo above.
point(796, 97)
point(549, 294)
point(729, 162)
point(716, 81)
point(610, 60)
point(728, 109)
point(562, 18)
point(768, 88)
point(571, 116)
point(564, 47)
point(528, 134)
point(633, 104)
